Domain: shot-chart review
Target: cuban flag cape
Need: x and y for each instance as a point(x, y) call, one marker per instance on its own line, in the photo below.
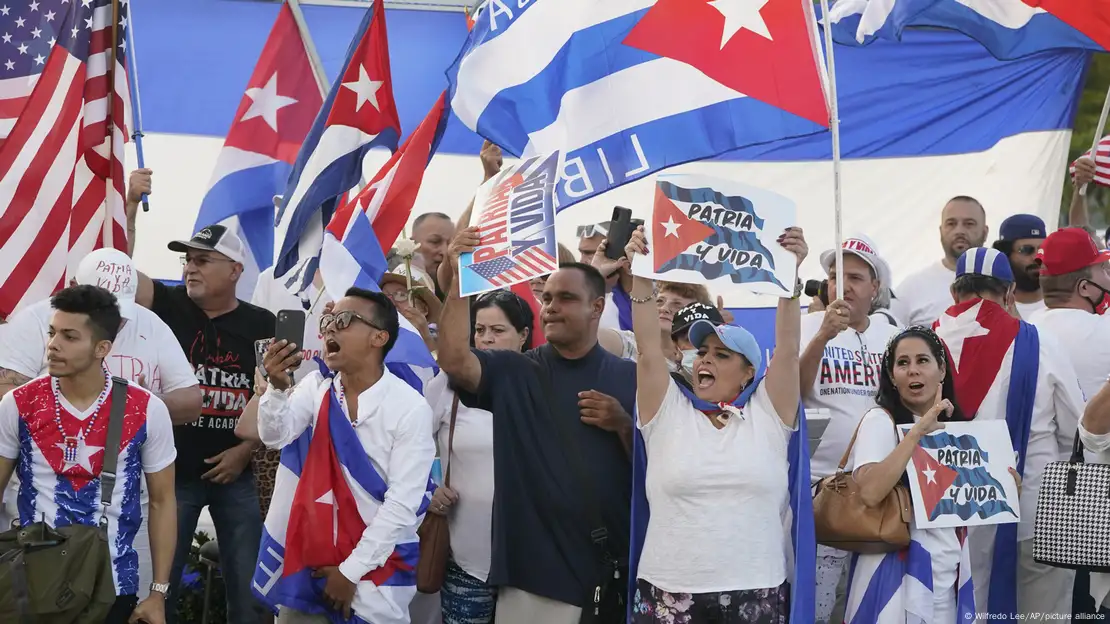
point(276, 113)
point(803, 544)
point(897, 587)
point(985, 348)
point(326, 493)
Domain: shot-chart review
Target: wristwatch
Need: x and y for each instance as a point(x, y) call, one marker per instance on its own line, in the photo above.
point(161, 588)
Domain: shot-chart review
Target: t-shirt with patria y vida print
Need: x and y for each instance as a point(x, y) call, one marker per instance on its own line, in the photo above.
point(221, 352)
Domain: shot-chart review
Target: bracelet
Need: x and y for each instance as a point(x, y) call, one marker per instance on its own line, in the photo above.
point(649, 299)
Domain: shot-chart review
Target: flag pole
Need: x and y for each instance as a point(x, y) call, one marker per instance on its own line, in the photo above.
point(310, 48)
point(110, 124)
point(834, 128)
point(136, 103)
point(1098, 134)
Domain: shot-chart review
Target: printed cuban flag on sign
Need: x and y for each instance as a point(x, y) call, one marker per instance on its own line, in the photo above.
point(624, 88)
point(359, 114)
point(709, 231)
point(1007, 28)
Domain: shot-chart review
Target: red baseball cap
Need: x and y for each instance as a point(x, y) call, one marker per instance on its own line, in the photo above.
point(1068, 250)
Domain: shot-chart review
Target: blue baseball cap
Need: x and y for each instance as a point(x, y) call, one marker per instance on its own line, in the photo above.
point(1022, 226)
point(984, 261)
point(735, 339)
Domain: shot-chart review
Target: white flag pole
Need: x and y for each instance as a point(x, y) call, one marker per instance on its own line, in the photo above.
point(1098, 134)
point(834, 128)
point(310, 48)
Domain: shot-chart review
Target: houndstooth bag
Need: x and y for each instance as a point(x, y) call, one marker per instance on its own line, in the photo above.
point(1072, 527)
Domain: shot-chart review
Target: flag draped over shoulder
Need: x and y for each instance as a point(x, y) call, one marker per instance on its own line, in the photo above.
point(803, 546)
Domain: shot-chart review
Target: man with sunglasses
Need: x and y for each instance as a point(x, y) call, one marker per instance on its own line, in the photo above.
point(1020, 237)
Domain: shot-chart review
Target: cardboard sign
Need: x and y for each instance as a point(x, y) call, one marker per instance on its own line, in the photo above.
point(719, 233)
point(515, 212)
point(959, 476)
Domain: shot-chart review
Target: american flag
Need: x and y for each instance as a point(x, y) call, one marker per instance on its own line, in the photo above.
point(1102, 162)
point(505, 270)
point(61, 163)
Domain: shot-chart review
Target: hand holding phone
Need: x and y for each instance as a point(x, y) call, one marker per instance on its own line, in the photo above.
point(620, 230)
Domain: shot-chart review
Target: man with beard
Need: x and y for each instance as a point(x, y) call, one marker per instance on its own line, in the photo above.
point(923, 296)
point(1020, 238)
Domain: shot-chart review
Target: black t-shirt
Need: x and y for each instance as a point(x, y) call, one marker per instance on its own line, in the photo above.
point(541, 524)
point(221, 351)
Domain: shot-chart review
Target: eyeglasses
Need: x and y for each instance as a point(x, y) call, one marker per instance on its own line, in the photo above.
point(202, 261)
point(1027, 250)
point(593, 229)
point(400, 296)
point(495, 296)
point(342, 320)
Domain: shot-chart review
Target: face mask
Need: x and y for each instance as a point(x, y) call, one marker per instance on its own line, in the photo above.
point(1099, 307)
point(688, 357)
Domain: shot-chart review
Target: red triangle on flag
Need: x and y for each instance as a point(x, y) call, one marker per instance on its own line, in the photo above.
point(1090, 17)
point(364, 99)
point(672, 232)
point(933, 479)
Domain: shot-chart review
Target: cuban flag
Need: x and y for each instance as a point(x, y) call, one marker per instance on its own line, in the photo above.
point(276, 113)
point(1003, 357)
point(802, 550)
point(358, 114)
point(624, 88)
point(1007, 28)
point(326, 492)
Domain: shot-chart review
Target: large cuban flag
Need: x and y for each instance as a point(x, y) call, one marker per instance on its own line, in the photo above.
point(359, 114)
point(624, 88)
point(276, 113)
point(1008, 28)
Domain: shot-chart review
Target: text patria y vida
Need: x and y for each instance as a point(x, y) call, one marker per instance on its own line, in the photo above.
point(516, 209)
point(729, 219)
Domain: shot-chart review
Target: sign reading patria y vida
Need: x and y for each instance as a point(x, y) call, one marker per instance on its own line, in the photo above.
point(720, 233)
point(959, 476)
point(117, 278)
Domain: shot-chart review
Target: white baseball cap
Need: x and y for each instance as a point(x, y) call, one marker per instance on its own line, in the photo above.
point(215, 238)
point(864, 248)
point(112, 270)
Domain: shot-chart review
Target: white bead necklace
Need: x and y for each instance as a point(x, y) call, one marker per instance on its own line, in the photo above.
point(73, 446)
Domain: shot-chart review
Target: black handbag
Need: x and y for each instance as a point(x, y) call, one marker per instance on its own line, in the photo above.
point(1072, 526)
point(607, 602)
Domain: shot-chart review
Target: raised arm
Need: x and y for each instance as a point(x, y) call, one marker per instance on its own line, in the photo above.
point(137, 186)
point(835, 320)
point(455, 357)
point(1078, 215)
point(283, 417)
point(492, 161)
point(652, 376)
point(782, 371)
point(877, 478)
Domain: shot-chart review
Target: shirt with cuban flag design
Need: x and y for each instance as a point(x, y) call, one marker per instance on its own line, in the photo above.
point(65, 493)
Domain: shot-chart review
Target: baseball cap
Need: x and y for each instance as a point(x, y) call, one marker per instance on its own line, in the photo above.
point(735, 338)
point(112, 270)
point(1068, 250)
point(863, 247)
point(696, 311)
point(1021, 226)
point(215, 238)
point(986, 262)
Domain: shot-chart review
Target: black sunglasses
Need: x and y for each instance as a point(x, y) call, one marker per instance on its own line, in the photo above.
point(343, 320)
point(1027, 250)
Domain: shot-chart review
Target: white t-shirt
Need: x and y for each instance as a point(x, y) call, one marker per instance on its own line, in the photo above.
point(876, 440)
point(471, 464)
point(1083, 336)
point(270, 295)
point(718, 498)
point(923, 296)
point(610, 316)
point(846, 383)
point(1027, 310)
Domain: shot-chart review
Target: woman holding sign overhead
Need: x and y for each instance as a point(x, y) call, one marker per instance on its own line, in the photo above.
point(717, 467)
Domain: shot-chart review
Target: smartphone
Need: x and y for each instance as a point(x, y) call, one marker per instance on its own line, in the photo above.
point(620, 231)
point(260, 347)
point(290, 327)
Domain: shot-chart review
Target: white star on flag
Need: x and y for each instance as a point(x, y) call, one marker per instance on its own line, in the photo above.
point(741, 14)
point(930, 475)
point(365, 89)
point(266, 102)
point(954, 330)
point(671, 227)
point(84, 455)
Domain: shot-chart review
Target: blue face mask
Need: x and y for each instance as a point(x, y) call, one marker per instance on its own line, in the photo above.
point(688, 357)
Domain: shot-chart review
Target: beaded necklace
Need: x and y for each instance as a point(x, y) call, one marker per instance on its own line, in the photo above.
point(73, 446)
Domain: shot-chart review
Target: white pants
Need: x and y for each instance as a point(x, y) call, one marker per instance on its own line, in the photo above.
point(1042, 590)
point(832, 572)
point(515, 606)
point(944, 606)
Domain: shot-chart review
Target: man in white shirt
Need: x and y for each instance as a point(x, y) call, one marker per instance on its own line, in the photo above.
point(393, 425)
point(841, 349)
point(923, 296)
point(1020, 237)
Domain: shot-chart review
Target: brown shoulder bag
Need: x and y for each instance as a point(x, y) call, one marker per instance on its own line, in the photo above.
point(841, 519)
point(435, 538)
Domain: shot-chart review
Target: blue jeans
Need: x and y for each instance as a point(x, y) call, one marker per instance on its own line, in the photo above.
point(234, 510)
point(465, 599)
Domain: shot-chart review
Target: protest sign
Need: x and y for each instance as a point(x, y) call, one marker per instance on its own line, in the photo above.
point(959, 476)
point(515, 215)
point(720, 233)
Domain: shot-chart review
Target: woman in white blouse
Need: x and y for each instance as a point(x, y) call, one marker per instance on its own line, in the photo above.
point(500, 320)
point(716, 479)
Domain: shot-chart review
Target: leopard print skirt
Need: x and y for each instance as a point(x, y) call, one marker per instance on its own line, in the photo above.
point(265, 462)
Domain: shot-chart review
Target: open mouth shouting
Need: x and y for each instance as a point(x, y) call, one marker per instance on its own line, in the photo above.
point(331, 347)
point(705, 379)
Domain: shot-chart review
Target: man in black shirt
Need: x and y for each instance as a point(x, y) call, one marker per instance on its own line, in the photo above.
point(217, 332)
point(561, 436)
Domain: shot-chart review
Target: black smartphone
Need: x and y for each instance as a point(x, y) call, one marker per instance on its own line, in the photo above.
point(290, 326)
point(620, 230)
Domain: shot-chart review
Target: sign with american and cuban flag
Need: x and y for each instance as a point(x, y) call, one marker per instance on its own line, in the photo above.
point(959, 476)
point(721, 233)
point(515, 214)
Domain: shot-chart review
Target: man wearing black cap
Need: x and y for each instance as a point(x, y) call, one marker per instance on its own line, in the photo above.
point(1020, 238)
point(217, 331)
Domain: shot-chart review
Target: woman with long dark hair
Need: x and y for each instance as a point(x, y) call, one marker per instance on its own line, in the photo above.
point(499, 320)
